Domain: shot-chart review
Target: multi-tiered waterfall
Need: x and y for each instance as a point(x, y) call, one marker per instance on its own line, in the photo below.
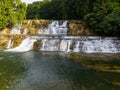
point(54, 38)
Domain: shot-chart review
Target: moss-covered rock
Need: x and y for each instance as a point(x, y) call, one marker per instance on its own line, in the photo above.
point(32, 31)
point(3, 38)
point(17, 40)
point(3, 45)
point(77, 27)
point(36, 46)
point(98, 61)
point(36, 23)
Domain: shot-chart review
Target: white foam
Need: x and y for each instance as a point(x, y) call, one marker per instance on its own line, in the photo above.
point(10, 43)
point(15, 30)
point(54, 28)
point(26, 45)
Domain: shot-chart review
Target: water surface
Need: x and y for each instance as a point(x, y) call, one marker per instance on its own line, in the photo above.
point(52, 71)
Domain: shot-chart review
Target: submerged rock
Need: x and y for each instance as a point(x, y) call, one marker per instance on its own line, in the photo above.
point(98, 62)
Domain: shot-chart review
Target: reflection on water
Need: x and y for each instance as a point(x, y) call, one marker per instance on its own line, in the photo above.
point(10, 69)
point(53, 71)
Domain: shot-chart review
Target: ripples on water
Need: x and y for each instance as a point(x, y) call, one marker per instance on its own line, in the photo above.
point(53, 71)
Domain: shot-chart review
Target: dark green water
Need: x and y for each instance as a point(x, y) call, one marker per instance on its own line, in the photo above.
point(50, 71)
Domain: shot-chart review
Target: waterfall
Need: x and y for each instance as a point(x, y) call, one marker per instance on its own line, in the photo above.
point(63, 45)
point(25, 31)
point(43, 44)
point(69, 46)
point(103, 45)
point(15, 30)
point(77, 46)
point(50, 45)
point(54, 38)
point(54, 28)
point(86, 44)
point(10, 43)
point(26, 45)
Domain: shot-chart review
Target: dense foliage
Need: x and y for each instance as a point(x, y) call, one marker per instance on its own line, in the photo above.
point(11, 12)
point(57, 9)
point(103, 16)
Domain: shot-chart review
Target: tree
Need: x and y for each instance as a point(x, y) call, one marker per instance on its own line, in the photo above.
point(105, 17)
point(58, 9)
point(51, 10)
point(33, 10)
point(11, 12)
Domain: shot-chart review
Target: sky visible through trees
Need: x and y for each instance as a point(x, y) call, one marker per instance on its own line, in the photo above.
point(29, 1)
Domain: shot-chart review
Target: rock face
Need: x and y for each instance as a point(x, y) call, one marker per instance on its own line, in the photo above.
point(35, 24)
point(4, 39)
point(77, 27)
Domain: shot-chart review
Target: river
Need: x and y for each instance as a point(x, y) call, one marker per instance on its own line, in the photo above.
point(57, 71)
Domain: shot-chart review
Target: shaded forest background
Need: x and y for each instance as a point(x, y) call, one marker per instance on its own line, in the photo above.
point(102, 16)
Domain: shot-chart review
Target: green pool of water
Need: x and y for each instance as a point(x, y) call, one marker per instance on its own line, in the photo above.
point(55, 71)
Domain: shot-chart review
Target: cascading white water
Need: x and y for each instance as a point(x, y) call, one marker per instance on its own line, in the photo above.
point(63, 45)
point(43, 44)
point(10, 43)
point(87, 45)
point(103, 46)
point(54, 28)
point(76, 46)
point(15, 30)
point(26, 45)
point(69, 46)
point(25, 31)
point(54, 38)
point(50, 45)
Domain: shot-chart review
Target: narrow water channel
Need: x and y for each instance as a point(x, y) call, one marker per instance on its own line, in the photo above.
point(51, 71)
